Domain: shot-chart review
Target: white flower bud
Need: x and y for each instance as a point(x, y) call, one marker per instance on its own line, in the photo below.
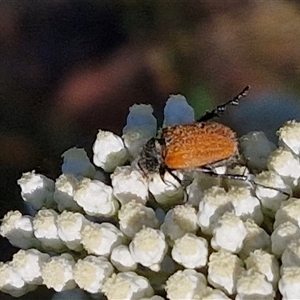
point(69, 227)
point(148, 248)
point(264, 263)
point(127, 285)
point(288, 211)
point(287, 165)
point(229, 233)
point(122, 259)
point(245, 205)
point(190, 251)
point(256, 148)
point(282, 235)
point(57, 273)
point(91, 272)
point(254, 285)
point(65, 187)
point(141, 116)
point(18, 230)
point(77, 163)
point(224, 269)
point(194, 192)
point(214, 204)
point(45, 230)
point(100, 239)
point(177, 111)
point(129, 184)
point(256, 238)
point(133, 216)
point(168, 191)
point(291, 254)
point(180, 220)
point(11, 282)
point(288, 285)
point(109, 151)
point(187, 284)
point(96, 198)
point(134, 140)
point(28, 265)
point(289, 135)
point(140, 127)
point(37, 190)
point(271, 198)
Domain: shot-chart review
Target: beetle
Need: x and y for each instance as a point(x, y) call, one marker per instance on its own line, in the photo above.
point(203, 145)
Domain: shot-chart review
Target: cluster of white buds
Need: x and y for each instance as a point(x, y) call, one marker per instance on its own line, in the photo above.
point(152, 237)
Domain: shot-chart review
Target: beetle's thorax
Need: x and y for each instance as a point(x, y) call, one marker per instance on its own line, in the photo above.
point(151, 158)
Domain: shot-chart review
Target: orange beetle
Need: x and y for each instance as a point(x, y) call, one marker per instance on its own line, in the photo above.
point(202, 144)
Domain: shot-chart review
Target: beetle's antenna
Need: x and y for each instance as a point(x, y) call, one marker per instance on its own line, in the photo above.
point(220, 109)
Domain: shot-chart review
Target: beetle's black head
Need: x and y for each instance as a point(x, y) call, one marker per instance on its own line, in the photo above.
point(151, 159)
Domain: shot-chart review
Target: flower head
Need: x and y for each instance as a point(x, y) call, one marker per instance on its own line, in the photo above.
point(96, 198)
point(140, 127)
point(46, 231)
point(65, 186)
point(224, 269)
point(37, 190)
point(100, 239)
point(57, 273)
point(148, 247)
point(180, 220)
point(11, 282)
point(229, 233)
point(288, 136)
point(129, 184)
point(134, 216)
point(127, 285)
point(91, 272)
point(109, 151)
point(254, 285)
point(178, 111)
point(28, 264)
point(69, 226)
point(186, 284)
point(18, 230)
point(77, 163)
point(190, 251)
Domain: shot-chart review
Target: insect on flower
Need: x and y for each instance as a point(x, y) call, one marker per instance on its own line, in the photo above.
point(203, 144)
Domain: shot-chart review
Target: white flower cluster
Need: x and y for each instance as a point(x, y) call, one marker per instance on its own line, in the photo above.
point(149, 237)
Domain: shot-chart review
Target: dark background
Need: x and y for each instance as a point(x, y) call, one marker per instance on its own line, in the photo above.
point(68, 68)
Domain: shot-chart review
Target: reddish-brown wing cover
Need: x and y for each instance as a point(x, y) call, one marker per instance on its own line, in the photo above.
point(197, 144)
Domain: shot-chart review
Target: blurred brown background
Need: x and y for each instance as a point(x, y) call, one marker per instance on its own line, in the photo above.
point(68, 68)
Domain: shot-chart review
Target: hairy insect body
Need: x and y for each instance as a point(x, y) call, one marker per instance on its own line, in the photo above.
point(188, 146)
point(203, 144)
point(151, 160)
